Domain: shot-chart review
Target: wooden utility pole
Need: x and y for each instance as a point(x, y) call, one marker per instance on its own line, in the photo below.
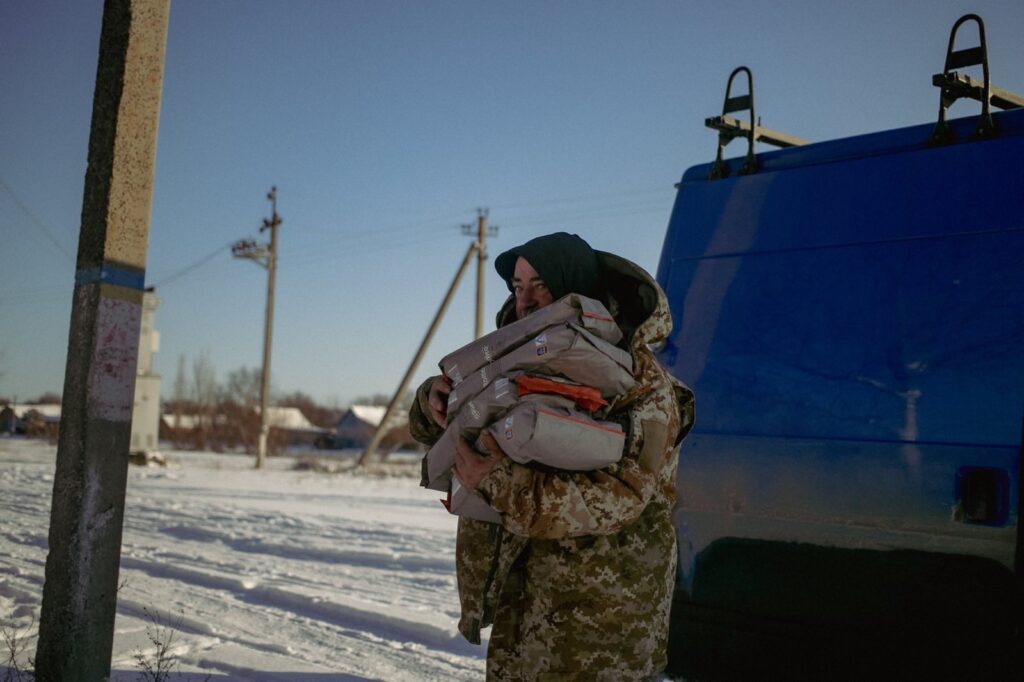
point(265, 255)
point(76, 626)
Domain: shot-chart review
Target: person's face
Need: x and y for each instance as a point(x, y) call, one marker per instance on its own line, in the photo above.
point(531, 292)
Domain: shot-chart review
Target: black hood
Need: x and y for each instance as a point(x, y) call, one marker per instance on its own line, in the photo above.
point(631, 295)
point(564, 261)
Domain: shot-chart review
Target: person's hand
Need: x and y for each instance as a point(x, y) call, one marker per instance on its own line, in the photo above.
point(471, 466)
point(438, 400)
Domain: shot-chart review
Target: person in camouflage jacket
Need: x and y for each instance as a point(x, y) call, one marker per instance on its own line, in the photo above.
point(577, 580)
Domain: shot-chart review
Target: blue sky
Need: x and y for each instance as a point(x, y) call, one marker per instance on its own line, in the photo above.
point(386, 124)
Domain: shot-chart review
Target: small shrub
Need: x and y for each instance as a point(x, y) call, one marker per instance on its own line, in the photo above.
point(161, 664)
point(14, 644)
point(158, 665)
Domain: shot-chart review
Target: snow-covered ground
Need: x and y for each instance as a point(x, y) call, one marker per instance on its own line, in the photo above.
point(275, 574)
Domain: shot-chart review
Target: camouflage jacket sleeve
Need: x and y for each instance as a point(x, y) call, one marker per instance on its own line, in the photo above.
point(559, 504)
point(421, 425)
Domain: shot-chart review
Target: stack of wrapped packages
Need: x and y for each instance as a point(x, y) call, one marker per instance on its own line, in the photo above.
point(535, 385)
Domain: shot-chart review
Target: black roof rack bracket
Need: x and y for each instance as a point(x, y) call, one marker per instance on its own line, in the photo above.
point(954, 85)
point(729, 128)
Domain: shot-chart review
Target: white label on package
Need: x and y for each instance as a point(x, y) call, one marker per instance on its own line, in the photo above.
point(501, 387)
point(541, 343)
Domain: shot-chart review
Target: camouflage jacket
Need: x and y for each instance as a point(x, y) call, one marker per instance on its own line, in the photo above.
point(577, 581)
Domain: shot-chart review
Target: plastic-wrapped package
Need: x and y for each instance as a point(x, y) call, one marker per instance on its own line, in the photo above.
point(587, 313)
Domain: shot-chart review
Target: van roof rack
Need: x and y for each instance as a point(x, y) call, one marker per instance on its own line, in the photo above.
point(729, 128)
point(955, 85)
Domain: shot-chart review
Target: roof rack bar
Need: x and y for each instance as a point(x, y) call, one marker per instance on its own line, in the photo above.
point(966, 86)
point(729, 125)
point(730, 128)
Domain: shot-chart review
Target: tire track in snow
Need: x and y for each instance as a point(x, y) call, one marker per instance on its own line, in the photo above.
point(388, 626)
point(362, 559)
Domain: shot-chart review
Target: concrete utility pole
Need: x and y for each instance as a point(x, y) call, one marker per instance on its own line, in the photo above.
point(265, 255)
point(76, 627)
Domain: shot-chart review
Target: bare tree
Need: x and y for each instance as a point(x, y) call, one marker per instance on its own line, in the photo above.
point(180, 381)
point(239, 404)
point(204, 395)
point(180, 397)
point(242, 386)
point(324, 417)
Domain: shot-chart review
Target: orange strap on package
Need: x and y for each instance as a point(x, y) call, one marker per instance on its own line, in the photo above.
point(586, 397)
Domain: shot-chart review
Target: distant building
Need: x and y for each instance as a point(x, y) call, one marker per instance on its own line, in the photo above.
point(175, 427)
point(240, 426)
point(146, 407)
point(290, 419)
point(294, 427)
point(356, 427)
point(32, 419)
point(185, 422)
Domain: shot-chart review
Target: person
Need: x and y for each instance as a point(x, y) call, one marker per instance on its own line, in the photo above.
point(577, 579)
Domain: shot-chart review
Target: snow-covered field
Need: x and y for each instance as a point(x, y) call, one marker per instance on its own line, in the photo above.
point(274, 574)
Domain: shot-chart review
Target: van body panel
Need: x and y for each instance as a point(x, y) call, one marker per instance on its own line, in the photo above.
point(851, 320)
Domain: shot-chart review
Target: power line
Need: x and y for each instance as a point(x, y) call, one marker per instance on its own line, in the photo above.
point(52, 290)
point(36, 221)
point(349, 240)
point(42, 291)
point(387, 238)
point(581, 197)
point(446, 220)
point(353, 242)
point(370, 241)
point(597, 212)
point(189, 268)
point(362, 245)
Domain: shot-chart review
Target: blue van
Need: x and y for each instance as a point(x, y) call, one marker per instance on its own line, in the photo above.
point(850, 316)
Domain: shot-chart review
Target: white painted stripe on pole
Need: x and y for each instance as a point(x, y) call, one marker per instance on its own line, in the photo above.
point(111, 388)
